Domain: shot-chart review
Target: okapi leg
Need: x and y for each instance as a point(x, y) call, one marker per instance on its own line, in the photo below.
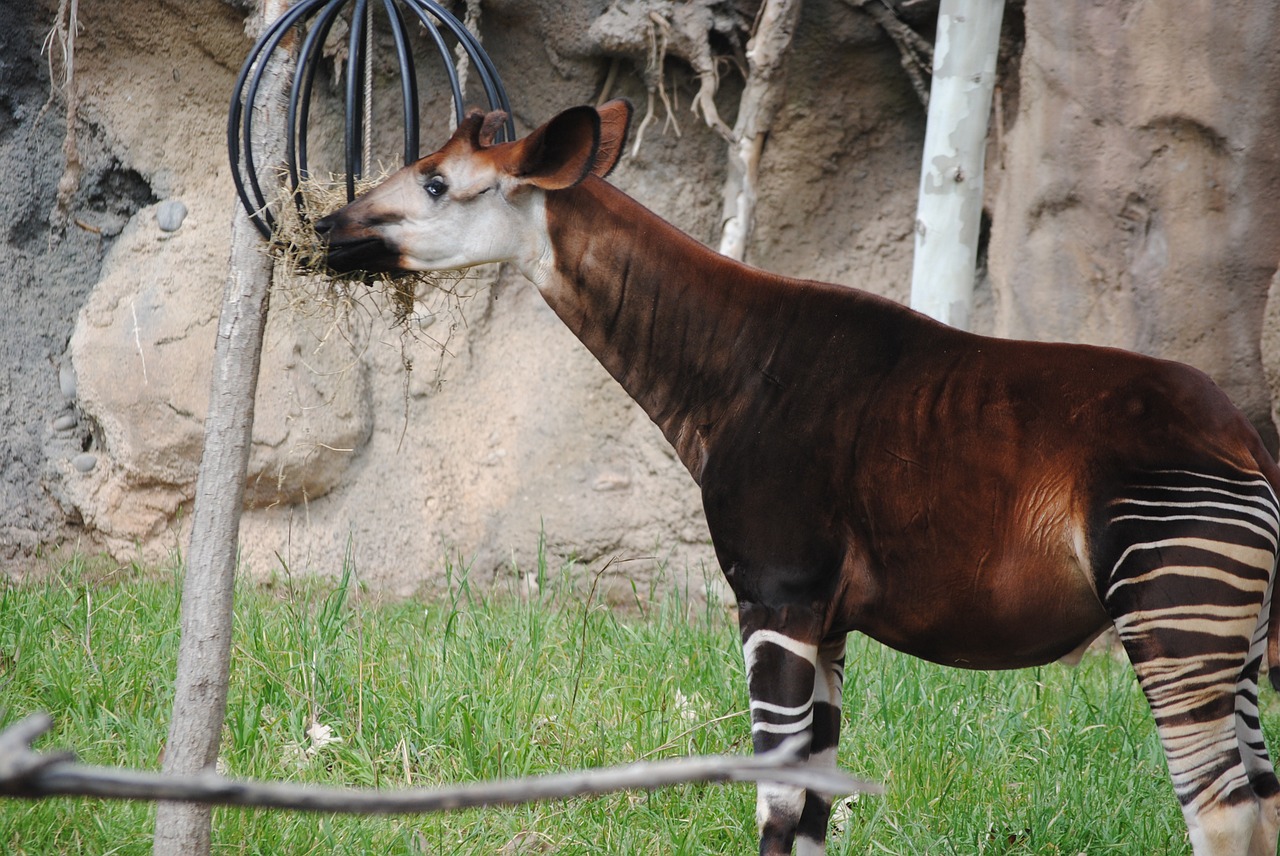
point(780, 648)
point(828, 691)
point(1188, 561)
point(1253, 747)
point(1192, 696)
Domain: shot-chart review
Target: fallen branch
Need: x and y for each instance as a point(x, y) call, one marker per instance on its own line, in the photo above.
point(26, 773)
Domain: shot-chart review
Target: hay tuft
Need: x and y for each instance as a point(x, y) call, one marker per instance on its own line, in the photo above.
point(307, 287)
point(300, 251)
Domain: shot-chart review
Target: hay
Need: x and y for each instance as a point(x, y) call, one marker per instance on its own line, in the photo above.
point(301, 272)
point(306, 286)
point(300, 251)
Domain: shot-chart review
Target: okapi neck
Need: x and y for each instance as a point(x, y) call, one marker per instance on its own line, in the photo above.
point(664, 314)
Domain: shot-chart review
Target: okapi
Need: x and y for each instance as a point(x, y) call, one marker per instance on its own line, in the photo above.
point(978, 502)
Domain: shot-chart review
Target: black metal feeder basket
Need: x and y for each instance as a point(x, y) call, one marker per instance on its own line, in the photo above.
point(313, 20)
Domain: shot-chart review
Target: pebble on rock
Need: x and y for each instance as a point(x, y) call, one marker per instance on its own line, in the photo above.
point(170, 214)
point(65, 421)
point(84, 463)
point(67, 381)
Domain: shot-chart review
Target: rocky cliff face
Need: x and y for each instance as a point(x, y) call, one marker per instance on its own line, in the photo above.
point(1138, 202)
point(1131, 186)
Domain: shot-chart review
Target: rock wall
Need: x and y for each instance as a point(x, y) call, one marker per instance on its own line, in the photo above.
point(44, 279)
point(1120, 130)
point(1138, 201)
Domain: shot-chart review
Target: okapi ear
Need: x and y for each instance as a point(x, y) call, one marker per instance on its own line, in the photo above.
point(615, 117)
point(561, 153)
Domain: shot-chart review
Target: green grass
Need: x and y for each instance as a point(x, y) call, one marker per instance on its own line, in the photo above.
point(482, 686)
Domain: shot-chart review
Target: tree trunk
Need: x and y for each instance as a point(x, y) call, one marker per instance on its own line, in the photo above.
point(757, 110)
point(200, 690)
point(950, 207)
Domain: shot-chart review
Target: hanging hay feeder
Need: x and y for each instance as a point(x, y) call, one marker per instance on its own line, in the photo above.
point(312, 24)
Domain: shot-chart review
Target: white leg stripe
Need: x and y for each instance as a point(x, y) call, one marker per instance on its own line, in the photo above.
point(784, 728)
point(771, 799)
point(1205, 573)
point(1256, 481)
point(1233, 494)
point(1260, 559)
point(808, 847)
point(1263, 514)
point(1174, 518)
point(773, 637)
point(782, 710)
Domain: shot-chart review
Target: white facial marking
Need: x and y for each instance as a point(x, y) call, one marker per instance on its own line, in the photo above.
point(458, 214)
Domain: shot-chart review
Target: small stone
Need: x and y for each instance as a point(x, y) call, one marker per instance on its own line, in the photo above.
point(611, 481)
point(170, 214)
point(84, 463)
point(67, 381)
point(64, 422)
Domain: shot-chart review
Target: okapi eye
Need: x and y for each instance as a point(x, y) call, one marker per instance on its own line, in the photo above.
point(436, 187)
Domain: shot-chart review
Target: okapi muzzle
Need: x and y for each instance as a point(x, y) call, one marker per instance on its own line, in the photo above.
point(371, 255)
point(353, 245)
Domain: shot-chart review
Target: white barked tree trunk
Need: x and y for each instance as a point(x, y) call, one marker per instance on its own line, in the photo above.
point(950, 207)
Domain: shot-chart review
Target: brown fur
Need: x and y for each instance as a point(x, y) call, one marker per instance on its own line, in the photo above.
point(930, 487)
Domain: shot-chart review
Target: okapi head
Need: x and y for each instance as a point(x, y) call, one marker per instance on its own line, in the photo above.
point(471, 202)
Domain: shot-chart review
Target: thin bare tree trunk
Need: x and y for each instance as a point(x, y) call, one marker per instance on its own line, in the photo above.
point(200, 691)
point(950, 207)
point(761, 101)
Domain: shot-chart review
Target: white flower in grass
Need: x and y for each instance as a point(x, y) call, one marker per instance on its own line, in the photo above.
point(689, 708)
point(542, 730)
point(321, 736)
point(841, 812)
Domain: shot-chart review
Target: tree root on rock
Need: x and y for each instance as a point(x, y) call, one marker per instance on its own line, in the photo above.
point(63, 35)
point(648, 31)
point(761, 102)
point(917, 53)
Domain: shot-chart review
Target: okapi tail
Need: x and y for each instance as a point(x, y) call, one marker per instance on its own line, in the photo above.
point(1273, 633)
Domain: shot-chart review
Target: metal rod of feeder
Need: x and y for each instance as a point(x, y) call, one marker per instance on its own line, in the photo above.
point(408, 80)
point(304, 76)
point(241, 115)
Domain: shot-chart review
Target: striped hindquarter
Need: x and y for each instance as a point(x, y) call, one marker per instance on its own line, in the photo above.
point(1186, 566)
